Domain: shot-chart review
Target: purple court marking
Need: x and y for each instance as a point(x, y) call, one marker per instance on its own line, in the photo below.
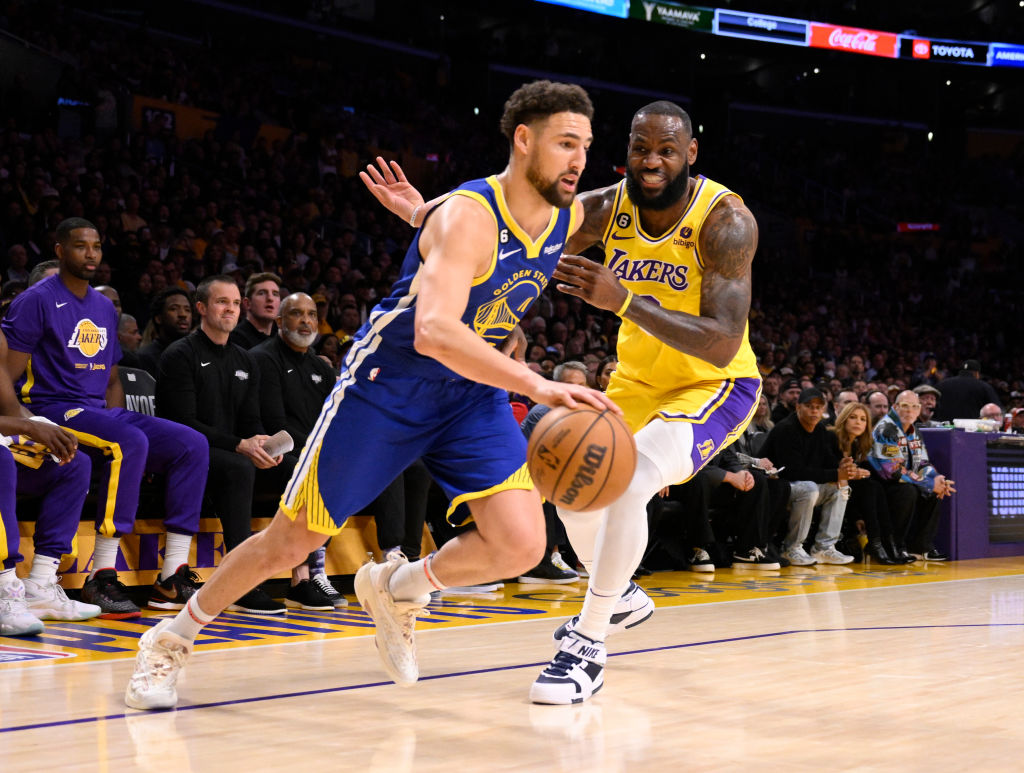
point(349, 688)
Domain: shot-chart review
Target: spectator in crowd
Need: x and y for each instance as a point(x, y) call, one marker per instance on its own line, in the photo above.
point(844, 398)
point(746, 505)
point(992, 412)
point(208, 383)
point(878, 405)
point(807, 456)
point(913, 486)
point(964, 394)
point(112, 294)
point(789, 393)
point(1016, 421)
point(294, 383)
point(770, 388)
point(929, 397)
point(867, 501)
point(66, 328)
point(170, 319)
point(128, 335)
point(17, 260)
point(43, 270)
point(605, 369)
point(261, 304)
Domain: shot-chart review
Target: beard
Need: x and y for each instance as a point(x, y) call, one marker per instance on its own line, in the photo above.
point(295, 338)
point(548, 189)
point(671, 195)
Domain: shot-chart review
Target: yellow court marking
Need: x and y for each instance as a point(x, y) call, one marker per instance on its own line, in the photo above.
point(99, 640)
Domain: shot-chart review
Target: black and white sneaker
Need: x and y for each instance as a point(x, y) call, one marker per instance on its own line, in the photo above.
point(306, 595)
point(934, 555)
point(109, 594)
point(574, 674)
point(258, 602)
point(175, 591)
point(753, 559)
point(322, 582)
point(701, 561)
point(633, 607)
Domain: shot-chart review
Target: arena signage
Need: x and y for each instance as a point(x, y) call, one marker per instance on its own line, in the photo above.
point(854, 40)
point(674, 14)
point(944, 50)
point(1006, 55)
point(774, 29)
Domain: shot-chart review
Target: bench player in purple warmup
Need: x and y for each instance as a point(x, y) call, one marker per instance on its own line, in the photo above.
point(63, 355)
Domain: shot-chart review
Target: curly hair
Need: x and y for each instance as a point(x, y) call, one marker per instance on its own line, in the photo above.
point(538, 100)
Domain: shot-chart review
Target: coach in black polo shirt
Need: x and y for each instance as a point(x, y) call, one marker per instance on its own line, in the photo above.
point(212, 385)
point(294, 382)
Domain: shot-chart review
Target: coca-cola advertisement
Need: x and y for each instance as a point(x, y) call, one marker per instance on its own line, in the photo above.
point(854, 40)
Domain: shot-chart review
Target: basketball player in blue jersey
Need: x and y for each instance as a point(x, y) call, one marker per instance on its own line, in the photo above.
point(424, 380)
point(678, 252)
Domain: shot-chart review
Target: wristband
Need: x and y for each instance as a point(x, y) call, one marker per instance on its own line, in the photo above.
point(412, 217)
point(625, 304)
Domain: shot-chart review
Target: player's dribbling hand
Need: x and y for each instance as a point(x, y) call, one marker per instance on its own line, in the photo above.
point(572, 395)
point(390, 187)
point(589, 280)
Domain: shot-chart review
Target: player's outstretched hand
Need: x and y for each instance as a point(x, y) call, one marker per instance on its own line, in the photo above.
point(572, 395)
point(389, 186)
point(591, 281)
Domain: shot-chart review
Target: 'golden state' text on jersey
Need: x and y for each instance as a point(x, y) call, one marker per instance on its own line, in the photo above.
point(519, 271)
point(666, 270)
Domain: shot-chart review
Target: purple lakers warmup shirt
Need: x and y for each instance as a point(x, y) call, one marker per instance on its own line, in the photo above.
point(72, 342)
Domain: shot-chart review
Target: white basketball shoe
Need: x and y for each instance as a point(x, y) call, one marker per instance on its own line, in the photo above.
point(395, 620)
point(633, 607)
point(574, 674)
point(162, 655)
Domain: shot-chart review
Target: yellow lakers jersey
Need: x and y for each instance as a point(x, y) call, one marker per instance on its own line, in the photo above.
point(666, 270)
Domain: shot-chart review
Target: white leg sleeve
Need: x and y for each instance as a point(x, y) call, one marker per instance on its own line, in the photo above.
point(663, 459)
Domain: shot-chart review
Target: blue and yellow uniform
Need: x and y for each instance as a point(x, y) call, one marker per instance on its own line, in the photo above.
point(654, 380)
point(392, 405)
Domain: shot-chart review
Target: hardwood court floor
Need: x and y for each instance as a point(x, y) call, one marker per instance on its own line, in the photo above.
point(834, 668)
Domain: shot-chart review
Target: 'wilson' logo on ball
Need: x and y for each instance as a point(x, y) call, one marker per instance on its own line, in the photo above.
point(584, 474)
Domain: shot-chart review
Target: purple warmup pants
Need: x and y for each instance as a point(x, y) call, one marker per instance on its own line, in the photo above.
point(125, 446)
point(63, 490)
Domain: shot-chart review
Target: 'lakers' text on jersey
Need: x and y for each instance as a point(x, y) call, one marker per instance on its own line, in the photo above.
point(666, 270)
point(519, 270)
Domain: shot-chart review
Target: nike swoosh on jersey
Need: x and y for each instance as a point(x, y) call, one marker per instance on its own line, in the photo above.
point(62, 305)
point(289, 370)
point(204, 364)
point(620, 238)
point(502, 255)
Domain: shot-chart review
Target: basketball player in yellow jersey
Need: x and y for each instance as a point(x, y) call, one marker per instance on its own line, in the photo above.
point(678, 252)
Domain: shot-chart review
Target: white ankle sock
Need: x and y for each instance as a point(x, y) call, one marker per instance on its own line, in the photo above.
point(190, 620)
point(176, 550)
point(104, 555)
point(413, 582)
point(7, 575)
point(44, 570)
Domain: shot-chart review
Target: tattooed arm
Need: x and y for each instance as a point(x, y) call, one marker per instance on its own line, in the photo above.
point(597, 208)
point(727, 242)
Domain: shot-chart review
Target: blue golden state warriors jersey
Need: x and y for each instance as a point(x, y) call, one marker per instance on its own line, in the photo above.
point(519, 271)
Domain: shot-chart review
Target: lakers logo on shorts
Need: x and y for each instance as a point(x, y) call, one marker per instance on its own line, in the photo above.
point(68, 415)
point(88, 337)
point(706, 448)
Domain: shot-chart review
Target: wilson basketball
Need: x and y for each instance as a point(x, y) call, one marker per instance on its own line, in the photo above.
point(581, 458)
